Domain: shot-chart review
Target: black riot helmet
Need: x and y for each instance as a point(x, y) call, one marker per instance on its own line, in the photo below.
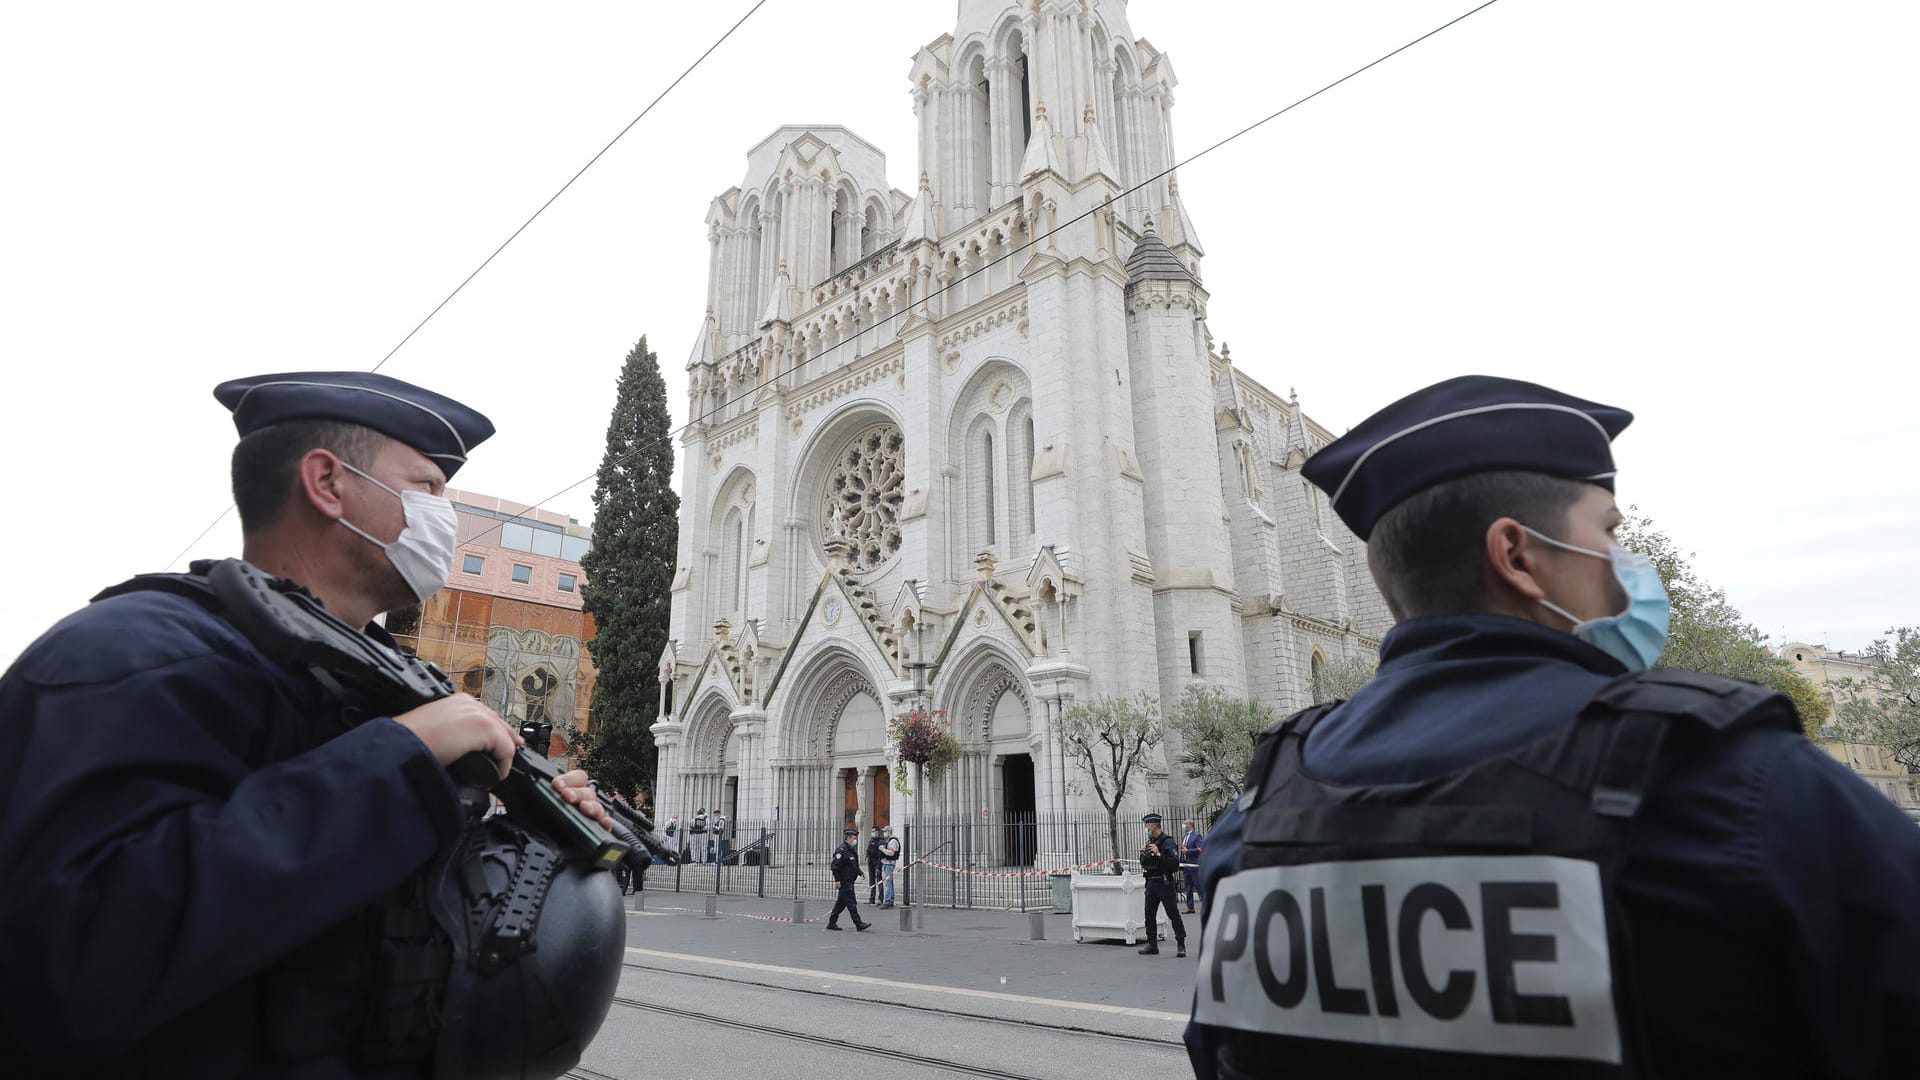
point(538, 944)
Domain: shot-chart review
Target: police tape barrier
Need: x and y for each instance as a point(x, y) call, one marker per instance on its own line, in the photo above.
point(739, 914)
point(1011, 874)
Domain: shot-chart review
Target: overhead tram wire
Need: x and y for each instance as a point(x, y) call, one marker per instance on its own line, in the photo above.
point(721, 40)
point(1169, 170)
point(563, 187)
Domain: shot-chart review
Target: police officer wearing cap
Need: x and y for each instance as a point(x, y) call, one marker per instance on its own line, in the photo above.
point(1160, 862)
point(1521, 850)
point(198, 845)
point(845, 867)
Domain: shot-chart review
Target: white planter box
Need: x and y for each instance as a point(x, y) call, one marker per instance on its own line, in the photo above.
point(1109, 906)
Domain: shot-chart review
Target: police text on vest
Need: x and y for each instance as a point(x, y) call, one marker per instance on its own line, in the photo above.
point(1480, 954)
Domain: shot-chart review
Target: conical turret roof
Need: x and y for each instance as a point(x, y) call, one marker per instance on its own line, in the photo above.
point(1152, 260)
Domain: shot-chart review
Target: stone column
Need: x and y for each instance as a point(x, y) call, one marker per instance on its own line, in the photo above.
point(667, 788)
point(749, 730)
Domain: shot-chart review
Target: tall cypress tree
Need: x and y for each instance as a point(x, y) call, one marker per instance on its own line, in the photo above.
point(628, 571)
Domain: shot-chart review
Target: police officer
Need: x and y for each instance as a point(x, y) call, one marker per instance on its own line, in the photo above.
point(846, 868)
point(1518, 851)
point(1160, 862)
point(873, 866)
point(197, 843)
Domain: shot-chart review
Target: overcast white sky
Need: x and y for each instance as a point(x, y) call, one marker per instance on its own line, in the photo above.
point(1703, 212)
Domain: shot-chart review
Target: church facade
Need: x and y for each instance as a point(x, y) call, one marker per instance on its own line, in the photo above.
point(973, 447)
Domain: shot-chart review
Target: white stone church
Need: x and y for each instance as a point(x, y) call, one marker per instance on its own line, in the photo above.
point(973, 445)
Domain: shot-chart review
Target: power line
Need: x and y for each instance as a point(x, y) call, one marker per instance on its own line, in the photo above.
point(563, 187)
point(202, 536)
point(721, 40)
point(1034, 240)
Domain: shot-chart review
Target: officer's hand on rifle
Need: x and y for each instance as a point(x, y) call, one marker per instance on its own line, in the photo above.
point(577, 789)
point(456, 726)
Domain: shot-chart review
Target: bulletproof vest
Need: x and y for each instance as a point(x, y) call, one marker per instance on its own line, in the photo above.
point(1465, 925)
point(500, 960)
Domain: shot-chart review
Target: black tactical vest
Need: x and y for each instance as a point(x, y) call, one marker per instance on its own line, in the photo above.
point(1467, 925)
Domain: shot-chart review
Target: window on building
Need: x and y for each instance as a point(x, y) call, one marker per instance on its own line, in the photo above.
point(574, 548)
point(522, 574)
point(733, 560)
point(473, 564)
point(516, 537)
point(1196, 653)
point(546, 543)
point(567, 582)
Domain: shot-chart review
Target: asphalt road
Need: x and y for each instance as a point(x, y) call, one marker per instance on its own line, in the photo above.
point(964, 994)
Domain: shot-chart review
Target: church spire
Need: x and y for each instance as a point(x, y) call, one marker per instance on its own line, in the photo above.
point(1041, 154)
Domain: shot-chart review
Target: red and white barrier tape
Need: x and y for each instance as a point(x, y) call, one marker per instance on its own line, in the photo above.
point(1011, 874)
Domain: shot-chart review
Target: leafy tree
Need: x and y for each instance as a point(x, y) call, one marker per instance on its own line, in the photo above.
point(1109, 737)
point(1884, 707)
point(628, 573)
point(1707, 633)
point(1217, 731)
point(1338, 680)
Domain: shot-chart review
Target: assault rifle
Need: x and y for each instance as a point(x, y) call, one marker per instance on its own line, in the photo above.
point(292, 628)
point(640, 825)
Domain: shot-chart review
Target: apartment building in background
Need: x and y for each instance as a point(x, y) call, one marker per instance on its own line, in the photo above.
point(509, 627)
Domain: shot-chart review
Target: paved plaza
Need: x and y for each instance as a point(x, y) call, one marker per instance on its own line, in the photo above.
point(966, 992)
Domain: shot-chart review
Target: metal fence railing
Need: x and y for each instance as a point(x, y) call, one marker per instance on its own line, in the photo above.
point(1000, 864)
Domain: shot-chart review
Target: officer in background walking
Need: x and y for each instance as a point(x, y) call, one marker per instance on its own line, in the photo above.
point(1160, 862)
point(846, 868)
point(1519, 851)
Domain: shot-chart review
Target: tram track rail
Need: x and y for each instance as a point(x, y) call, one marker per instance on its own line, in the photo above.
point(905, 1057)
point(1030, 1025)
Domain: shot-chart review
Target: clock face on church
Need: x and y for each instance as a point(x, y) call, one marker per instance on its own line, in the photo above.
point(830, 611)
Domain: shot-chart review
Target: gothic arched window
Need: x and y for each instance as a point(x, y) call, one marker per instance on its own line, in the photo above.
point(732, 562)
point(1020, 473)
point(982, 515)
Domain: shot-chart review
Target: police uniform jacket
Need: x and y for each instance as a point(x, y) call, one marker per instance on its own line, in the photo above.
point(846, 863)
point(193, 843)
point(1768, 893)
point(1162, 863)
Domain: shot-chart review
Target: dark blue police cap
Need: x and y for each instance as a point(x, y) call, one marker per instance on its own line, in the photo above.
point(439, 427)
point(1151, 819)
point(1472, 424)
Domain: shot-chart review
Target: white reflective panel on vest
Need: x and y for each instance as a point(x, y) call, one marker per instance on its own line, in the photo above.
point(1481, 954)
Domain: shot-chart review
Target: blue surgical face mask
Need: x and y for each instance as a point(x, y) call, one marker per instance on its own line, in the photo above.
point(1636, 636)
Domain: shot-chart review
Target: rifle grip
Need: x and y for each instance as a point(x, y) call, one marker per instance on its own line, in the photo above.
point(476, 770)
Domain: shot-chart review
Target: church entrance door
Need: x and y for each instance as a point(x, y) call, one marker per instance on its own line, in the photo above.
point(1018, 809)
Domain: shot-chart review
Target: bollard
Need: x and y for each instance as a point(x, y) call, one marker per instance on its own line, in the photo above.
point(639, 900)
point(1036, 926)
point(906, 918)
point(919, 918)
point(713, 906)
point(799, 913)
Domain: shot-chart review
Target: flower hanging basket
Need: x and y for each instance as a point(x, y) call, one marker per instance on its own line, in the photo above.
point(924, 738)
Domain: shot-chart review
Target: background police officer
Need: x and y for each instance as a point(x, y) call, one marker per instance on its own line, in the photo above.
point(197, 843)
point(846, 868)
point(1746, 907)
point(1160, 862)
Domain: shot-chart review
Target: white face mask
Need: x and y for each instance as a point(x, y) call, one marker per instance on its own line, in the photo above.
point(423, 552)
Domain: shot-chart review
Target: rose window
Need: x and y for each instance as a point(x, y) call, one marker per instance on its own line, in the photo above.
point(863, 496)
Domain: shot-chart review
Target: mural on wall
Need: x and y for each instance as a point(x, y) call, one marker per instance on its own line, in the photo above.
point(531, 675)
point(527, 660)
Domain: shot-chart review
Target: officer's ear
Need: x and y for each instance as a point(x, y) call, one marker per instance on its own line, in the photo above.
point(1512, 567)
point(318, 482)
